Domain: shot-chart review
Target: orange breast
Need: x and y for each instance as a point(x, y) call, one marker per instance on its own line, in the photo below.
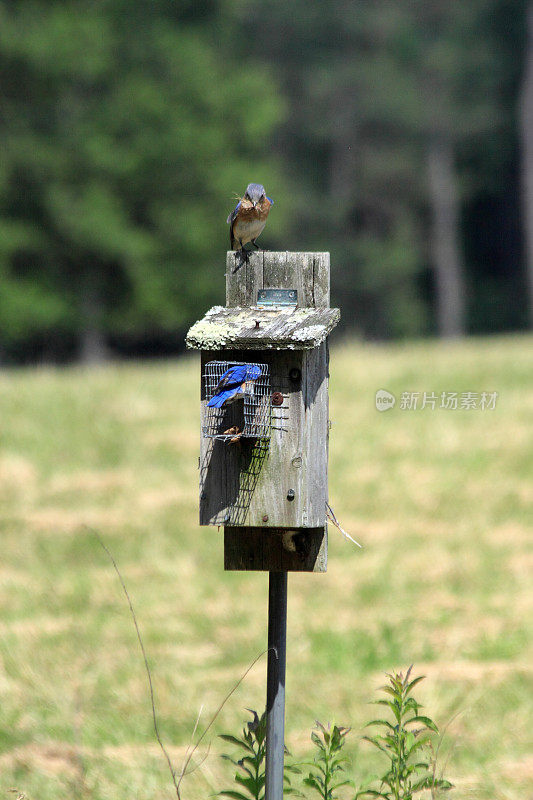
point(248, 212)
point(264, 206)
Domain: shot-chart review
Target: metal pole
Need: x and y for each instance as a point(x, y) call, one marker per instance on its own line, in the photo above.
point(277, 657)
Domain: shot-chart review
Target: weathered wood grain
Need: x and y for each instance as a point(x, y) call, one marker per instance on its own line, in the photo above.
point(306, 272)
point(260, 329)
point(321, 280)
point(243, 279)
point(275, 549)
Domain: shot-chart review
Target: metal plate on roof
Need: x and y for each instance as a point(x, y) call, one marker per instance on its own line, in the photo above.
point(266, 298)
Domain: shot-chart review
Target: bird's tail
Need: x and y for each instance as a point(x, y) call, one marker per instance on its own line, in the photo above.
point(217, 401)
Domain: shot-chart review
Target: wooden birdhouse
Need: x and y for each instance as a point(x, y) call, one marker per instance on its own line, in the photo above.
point(264, 458)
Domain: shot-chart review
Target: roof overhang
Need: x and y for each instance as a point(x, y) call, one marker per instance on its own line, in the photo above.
point(277, 328)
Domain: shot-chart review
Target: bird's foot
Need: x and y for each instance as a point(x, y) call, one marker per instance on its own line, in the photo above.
point(241, 257)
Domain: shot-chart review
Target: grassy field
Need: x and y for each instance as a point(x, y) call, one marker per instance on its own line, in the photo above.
point(440, 499)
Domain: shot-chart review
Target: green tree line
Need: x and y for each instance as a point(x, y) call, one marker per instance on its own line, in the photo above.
point(387, 132)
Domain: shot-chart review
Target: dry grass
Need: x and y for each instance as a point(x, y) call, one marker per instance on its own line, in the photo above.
point(441, 501)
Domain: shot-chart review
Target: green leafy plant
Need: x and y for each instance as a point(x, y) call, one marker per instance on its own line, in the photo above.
point(250, 773)
point(406, 741)
point(328, 762)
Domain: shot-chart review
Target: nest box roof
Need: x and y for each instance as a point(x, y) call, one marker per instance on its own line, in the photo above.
point(275, 328)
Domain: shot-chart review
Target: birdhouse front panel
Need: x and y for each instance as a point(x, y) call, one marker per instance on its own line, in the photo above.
point(278, 480)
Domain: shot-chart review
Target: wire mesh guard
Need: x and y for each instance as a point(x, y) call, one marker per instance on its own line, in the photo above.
point(234, 420)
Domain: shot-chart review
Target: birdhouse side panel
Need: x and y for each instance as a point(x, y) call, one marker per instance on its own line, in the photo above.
point(316, 432)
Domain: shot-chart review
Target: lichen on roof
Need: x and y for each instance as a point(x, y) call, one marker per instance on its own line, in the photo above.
point(210, 334)
point(310, 332)
point(258, 328)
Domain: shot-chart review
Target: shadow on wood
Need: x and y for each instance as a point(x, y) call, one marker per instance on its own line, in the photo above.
point(274, 549)
point(228, 476)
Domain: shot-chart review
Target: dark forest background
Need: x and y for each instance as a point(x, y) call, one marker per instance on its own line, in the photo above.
point(398, 135)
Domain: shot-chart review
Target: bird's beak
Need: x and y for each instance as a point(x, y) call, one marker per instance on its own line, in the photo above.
point(254, 204)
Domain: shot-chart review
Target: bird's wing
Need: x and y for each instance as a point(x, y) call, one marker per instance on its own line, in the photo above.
point(233, 216)
point(226, 374)
point(218, 400)
point(233, 376)
point(269, 200)
point(230, 220)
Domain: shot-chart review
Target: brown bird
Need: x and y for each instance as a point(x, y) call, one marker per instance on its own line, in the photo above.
point(249, 217)
point(234, 431)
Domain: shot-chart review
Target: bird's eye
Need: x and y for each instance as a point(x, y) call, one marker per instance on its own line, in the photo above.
point(246, 196)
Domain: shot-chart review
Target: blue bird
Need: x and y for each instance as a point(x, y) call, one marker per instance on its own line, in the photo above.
point(234, 384)
point(249, 217)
